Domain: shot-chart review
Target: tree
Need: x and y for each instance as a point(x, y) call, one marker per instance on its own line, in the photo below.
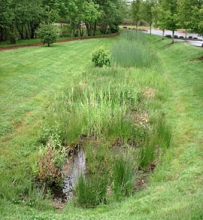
point(197, 18)
point(112, 15)
point(6, 18)
point(135, 8)
point(147, 12)
point(28, 15)
point(48, 34)
point(165, 14)
point(185, 8)
point(90, 14)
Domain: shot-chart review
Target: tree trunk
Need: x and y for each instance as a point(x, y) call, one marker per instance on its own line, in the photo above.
point(95, 28)
point(150, 29)
point(20, 30)
point(80, 28)
point(2, 34)
point(173, 37)
point(103, 29)
point(185, 33)
point(163, 31)
point(89, 28)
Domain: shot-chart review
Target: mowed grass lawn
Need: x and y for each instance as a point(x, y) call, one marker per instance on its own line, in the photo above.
point(29, 80)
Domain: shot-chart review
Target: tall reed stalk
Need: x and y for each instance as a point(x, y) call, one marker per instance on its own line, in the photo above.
point(133, 50)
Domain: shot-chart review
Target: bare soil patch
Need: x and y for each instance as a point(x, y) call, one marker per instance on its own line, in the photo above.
point(198, 59)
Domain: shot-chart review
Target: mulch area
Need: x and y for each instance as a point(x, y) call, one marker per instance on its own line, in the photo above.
point(59, 41)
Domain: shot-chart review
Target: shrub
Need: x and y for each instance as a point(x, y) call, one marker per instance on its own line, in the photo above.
point(100, 57)
point(47, 33)
point(47, 163)
point(65, 31)
point(13, 35)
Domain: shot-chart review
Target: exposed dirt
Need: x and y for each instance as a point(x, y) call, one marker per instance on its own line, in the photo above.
point(12, 47)
point(198, 59)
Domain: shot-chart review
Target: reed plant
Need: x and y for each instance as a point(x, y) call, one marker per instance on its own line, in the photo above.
point(92, 110)
point(155, 142)
point(91, 191)
point(123, 177)
point(133, 50)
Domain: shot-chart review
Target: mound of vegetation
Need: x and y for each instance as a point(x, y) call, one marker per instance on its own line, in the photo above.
point(122, 116)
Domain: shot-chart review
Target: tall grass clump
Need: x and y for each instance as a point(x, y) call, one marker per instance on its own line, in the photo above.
point(123, 177)
point(133, 50)
point(86, 109)
point(156, 141)
point(91, 191)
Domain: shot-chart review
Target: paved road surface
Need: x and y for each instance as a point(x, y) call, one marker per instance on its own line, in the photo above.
point(197, 43)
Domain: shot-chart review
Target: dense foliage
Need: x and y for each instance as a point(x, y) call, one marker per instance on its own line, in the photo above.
point(100, 57)
point(170, 14)
point(47, 33)
point(25, 17)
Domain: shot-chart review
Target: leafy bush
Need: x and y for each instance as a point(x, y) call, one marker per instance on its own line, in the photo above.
point(47, 33)
point(13, 35)
point(47, 163)
point(100, 57)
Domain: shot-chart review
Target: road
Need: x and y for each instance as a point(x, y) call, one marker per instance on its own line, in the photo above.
point(197, 43)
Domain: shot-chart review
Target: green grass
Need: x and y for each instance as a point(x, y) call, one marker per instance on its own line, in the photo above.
point(27, 42)
point(34, 77)
point(133, 27)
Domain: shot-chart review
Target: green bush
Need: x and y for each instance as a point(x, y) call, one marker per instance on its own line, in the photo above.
point(100, 57)
point(47, 33)
point(46, 164)
point(13, 35)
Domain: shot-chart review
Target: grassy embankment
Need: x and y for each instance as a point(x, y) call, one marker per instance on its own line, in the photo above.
point(35, 75)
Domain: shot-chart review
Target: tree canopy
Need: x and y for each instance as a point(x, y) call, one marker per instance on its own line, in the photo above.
point(20, 19)
point(24, 17)
point(170, 14)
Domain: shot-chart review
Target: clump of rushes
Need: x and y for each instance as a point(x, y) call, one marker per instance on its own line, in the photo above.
point(133, 50)
point(156, 141)
point(91, 191)
point(123, 177)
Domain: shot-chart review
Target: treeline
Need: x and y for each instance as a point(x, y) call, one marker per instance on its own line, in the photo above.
point(22, 18)
point(170, 14)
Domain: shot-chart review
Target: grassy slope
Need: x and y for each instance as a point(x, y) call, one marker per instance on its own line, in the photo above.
point(176, 189)
point(29, 80)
